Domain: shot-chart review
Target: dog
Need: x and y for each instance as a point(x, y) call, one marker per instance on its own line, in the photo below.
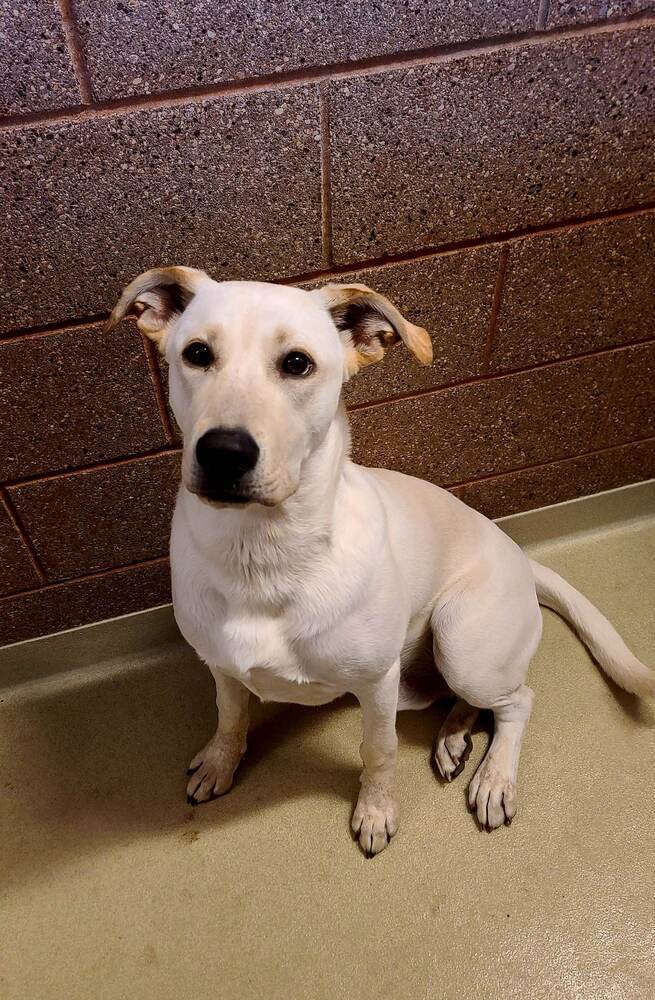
point(299, 576)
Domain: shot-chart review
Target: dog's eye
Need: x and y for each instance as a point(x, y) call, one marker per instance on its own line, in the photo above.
point(198, 353)
point(298, 364)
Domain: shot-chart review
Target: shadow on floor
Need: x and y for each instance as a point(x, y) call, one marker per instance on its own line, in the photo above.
point(104, 760)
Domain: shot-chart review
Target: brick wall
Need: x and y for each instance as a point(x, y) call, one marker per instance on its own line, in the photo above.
point(488, 165)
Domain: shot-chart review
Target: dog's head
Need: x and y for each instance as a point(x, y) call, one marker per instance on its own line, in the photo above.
point(256, 370)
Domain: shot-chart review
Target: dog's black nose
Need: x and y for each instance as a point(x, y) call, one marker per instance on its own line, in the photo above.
point(226, 455)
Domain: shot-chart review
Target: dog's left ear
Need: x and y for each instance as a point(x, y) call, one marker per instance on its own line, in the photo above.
point(156, 298)
point(371, 323)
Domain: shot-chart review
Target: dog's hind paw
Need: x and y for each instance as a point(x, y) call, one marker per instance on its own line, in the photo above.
point(492, 795)
point(451, 753)
point(454, 740)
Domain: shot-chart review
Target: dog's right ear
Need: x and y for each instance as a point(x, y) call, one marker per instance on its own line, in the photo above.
point(156, 298)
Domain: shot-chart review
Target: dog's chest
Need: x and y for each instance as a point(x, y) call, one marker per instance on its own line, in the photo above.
point(257, 650)
point(289, 625)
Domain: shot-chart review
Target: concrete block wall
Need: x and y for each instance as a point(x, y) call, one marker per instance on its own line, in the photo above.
point(487, 165)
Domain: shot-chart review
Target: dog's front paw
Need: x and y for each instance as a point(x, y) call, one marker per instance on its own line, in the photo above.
point(375, 819)
point(212, 771)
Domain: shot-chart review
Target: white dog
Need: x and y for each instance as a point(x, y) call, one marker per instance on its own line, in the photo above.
point(299, 576)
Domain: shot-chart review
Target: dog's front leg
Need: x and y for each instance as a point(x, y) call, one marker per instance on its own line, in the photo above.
point(212, 770)
point(375, 819)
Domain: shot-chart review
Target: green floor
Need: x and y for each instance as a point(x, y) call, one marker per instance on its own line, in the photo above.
point(113, 887)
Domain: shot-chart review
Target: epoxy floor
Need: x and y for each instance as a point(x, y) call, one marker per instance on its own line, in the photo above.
point(113, 887)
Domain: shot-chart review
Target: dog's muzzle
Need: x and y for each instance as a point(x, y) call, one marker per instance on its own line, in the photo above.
point(225, 456)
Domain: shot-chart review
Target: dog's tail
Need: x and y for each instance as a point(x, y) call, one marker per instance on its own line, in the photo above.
point(599, 636)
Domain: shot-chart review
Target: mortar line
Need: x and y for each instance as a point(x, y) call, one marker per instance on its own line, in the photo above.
point(379, 263)
point(495, 376)
point(542, 17)
point(155, 374)
point(22, 532)
point(57, 326)
point(605, 419)
point(457, 246)
point(83, 579)
point(76, 50)
point(544, 465)
point(83, 470)
point(315, 74)
point(326, 177)
point(496, 303)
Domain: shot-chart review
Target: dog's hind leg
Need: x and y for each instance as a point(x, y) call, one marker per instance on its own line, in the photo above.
point(454, 739)
point(492, 792)
point(212, 770)
point(485, 634)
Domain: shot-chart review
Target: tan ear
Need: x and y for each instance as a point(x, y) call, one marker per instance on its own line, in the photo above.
point(372, 323)
point(157, 297)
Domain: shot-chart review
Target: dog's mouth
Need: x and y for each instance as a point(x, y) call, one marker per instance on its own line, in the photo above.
point(225, 494)
point(225, 498)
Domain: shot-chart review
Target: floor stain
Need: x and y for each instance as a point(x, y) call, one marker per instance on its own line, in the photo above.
point(150, 955)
